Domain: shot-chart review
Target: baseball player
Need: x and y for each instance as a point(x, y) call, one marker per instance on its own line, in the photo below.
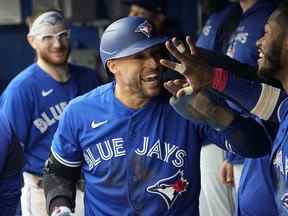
point(215, 36)
point(255, 185)
point(271, 63)
point(137, 155)
point(34, 100)
point(11, 163)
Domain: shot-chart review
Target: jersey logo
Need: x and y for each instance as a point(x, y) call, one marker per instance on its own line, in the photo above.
point(98, 124)
point(46, 93)
point(284, 200)
point(170, 188)
point(145, 28)
point(206, 30)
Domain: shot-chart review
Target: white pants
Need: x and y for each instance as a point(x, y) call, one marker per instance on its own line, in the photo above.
point(219, 199)
point(33, 201)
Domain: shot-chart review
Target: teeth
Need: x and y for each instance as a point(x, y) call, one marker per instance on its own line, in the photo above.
point(152, 76)
point(261, 55)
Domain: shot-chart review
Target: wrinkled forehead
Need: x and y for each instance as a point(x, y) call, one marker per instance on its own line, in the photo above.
point(47, 23)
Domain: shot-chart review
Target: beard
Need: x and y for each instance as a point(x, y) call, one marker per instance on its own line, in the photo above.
point(271, 64)
point(57, 62)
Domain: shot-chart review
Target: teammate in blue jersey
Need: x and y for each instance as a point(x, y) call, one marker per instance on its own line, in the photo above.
point(137, 155)
point(273, 53)
point(34, 100)
point(11, 163)
point(255, 184)
point(215, 35)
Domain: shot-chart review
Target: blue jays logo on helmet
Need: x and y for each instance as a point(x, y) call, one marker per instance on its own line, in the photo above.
point(145, 28)
point(284, 200)
point(170, 188)
point(128, 36)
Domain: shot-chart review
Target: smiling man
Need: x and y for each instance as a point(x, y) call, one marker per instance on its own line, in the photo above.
point(272, 64)
point(137, 155)
point(34, 100)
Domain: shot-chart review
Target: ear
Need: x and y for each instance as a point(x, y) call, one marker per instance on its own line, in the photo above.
point(31, 41)
point(112, 66)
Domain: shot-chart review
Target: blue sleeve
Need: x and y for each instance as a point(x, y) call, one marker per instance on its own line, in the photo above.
point(17, 106)
point(245, 136)
point(5, 141)
point(65, 146)
point(260, 99)
point(10, 192)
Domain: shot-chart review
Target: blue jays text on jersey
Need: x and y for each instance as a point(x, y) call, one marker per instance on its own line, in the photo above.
point(242, 45)
point(33, 102)
point(214, 35)
point(143, 161)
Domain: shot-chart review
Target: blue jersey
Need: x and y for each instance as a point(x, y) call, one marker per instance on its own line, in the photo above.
point(33, 103)
point(10, 171)
point(279, 161)
point(255, 183)
point(242, 45)
point(143, 161)
point(215, 34)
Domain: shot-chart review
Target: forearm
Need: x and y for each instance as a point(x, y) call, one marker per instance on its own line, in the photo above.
point(59, 184)
point(260, 99)
point(247, 137)
point(10, 193)
point(239, 69)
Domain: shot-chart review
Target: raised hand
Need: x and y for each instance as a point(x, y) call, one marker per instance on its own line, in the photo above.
point(195, 69)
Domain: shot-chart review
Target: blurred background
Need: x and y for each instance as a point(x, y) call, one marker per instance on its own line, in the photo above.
point(88, 18)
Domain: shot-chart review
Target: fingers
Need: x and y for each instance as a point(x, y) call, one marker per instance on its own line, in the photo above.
point(174, 86)
point(230, 176)
point(171, 87)
point(179, 45)
point(191, 45)
point(184, 91)
point(180, 68)
point(173, 46)
point(226, 174)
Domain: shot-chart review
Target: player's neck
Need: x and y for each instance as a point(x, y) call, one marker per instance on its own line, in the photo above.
point(59, 73)
point(130, 100)
point(246, 4)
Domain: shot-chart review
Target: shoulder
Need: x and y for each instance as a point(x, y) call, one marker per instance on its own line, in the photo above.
point(94, 98)
point(24, 81)
point(25, 77)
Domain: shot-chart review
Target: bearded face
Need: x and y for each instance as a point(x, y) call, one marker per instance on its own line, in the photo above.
point(271, 52)
point(269, 62)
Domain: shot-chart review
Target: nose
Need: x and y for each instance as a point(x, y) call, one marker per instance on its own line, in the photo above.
point(57, 42)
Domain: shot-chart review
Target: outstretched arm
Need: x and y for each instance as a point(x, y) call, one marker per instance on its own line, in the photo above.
point(258, 98)
point(232, 132)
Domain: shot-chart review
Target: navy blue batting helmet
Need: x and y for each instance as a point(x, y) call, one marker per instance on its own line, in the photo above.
point(126, 37)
